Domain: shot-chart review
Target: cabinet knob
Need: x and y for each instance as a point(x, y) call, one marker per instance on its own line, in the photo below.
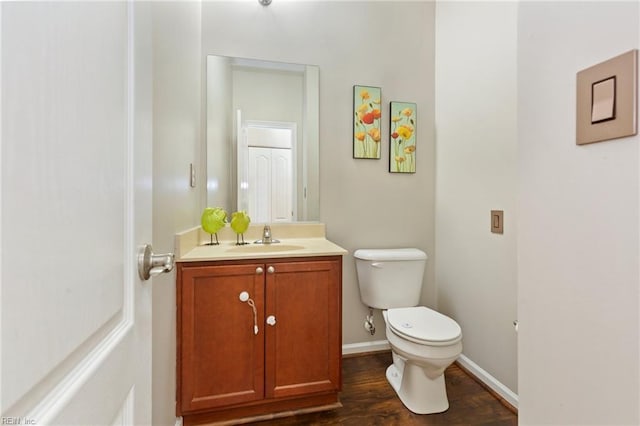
point(271, 269)
point(271, 320)
point(259, 270)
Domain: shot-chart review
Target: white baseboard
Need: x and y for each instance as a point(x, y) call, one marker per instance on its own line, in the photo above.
point(489, 380)
point(364, 347)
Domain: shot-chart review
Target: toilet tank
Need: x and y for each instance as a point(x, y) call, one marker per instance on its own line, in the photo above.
point(390, 278)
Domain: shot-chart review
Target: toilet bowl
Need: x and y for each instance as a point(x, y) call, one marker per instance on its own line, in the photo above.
point(423, 343)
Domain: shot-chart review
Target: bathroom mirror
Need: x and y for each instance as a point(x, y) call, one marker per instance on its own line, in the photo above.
point(262, 138)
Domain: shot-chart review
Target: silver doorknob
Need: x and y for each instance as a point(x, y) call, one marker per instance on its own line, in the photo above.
point(271, 320)
point(150, 264)
point(271, 269)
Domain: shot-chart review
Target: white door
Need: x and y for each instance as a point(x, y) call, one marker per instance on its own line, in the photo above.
point(259, 184)
point(267, 170)
point(76, 203)
point(281, 192)
point(269, 185)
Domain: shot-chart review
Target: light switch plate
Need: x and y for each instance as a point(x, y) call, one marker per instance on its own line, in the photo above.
point(192, 175)
point(497, 219)
point(606, 105)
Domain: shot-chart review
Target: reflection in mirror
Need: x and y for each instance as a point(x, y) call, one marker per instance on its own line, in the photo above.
point(262, 139)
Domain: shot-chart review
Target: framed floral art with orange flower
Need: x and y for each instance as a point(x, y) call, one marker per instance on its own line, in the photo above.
point(402, 139)
point(366, 122)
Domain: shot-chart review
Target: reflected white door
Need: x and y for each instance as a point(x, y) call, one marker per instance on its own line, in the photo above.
point(281, 186)
point(267, 170)
point(270, 182)
point(76, 203)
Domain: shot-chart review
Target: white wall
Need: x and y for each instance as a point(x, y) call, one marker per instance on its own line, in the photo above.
point(310, 138)
point(176, 143)
point(578, 236)
point(269, 95)
point(476, 173)
point(384, 44)
point(219, 132)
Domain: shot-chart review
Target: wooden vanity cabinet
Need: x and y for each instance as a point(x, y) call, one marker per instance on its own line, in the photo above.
point(225, 369)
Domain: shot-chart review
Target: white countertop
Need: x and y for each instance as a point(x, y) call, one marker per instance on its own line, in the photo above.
point(297, 241)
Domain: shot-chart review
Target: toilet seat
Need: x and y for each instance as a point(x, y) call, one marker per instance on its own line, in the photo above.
point(424, 326)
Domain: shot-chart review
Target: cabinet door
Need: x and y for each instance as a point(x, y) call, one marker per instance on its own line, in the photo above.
point(221, 358)
point(303, 347)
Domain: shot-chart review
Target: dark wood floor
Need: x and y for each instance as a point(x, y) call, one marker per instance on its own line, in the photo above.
point(368, 399)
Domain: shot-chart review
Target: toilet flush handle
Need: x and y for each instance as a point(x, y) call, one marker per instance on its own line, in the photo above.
point(376, 264)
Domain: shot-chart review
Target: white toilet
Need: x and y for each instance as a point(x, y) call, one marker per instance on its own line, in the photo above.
point(423, 342)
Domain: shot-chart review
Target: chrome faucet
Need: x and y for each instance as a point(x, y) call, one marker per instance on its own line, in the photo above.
point(266, 236)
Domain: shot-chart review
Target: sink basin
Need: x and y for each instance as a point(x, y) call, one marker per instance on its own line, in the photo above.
point(264, 248)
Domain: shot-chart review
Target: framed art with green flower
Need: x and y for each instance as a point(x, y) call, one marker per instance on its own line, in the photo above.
point(402, 139)
point(366, 122)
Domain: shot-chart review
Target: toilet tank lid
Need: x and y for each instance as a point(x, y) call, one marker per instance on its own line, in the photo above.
point(390, 254)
